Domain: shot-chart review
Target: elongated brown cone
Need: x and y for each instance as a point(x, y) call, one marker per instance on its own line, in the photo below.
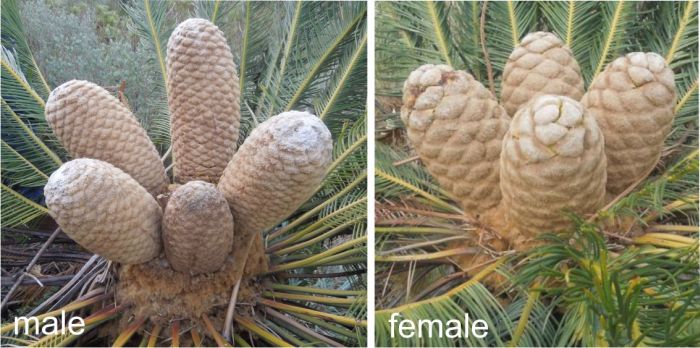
point(553, 162)
point(541, 64)
point(203, 96)
point(456, 126)
point(278, 167)
point(633, 101)
point(197, 228)
point(92, 123)
point(105, 210)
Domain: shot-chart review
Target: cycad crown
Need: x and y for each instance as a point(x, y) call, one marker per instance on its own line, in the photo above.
point(279, 167)
point(553, 159)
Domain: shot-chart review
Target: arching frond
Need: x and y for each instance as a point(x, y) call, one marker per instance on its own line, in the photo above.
point(618, 23)
point(14, 37)
point(149, 21)
point(17, 210)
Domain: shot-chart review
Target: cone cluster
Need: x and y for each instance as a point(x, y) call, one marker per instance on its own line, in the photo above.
point(561, 153)
point(107, 198)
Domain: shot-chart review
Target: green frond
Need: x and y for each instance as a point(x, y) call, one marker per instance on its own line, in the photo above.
point(473, 298)
point(21, 137)
point(19, 170)
point(424, 36)
point(18, 210)
point(345, 92)
point(14, 37)
point(506, 24)
point(644, 295)
point(618, 23)
point(573, 21)
point(345, 35)
point(678, 183)
point(395, 180)
point(214, 11)
point(150, 22)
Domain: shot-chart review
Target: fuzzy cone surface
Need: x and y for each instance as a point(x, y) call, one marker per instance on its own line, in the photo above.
point(197, 228)
point(553, 162)
point(456, 126)
point(279, 166)
point(105, 210)
point(542, 64)
point(90, 122)
point(203, 97)
point(633, 100)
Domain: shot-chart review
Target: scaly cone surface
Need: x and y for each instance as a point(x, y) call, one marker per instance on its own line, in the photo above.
point(279, 166)
point(456, 127)
point(541, 64)
point(197, 228)
point(203, 96)
point(92, 123)
point(105, 210)
point(553, 162)
point(633, 101)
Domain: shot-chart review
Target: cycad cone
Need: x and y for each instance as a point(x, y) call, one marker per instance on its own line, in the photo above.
point(542, 64)
point(203, 96)
point(197, 228)
point(278, 167)
point(105, 210)
point(90, 122)
point(553, 162)
point(456, 127)
point(633, 101)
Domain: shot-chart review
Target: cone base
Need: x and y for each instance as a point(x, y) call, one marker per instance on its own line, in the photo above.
point(155, 291)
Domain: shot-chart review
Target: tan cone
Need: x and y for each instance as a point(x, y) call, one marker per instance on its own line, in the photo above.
point(541, 64)
point(553, 162)
point(92, 123)
point(105, 210)
point(456, 127)
point(633, 101)
point(197, 228)
point(203, 96)
point(278, 167)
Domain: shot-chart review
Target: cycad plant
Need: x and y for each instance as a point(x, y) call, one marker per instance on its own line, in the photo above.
point(521, 179)
point(305, 286)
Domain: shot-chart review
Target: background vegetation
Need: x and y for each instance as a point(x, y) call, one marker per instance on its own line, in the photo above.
point(627, 276)
point(294, 55)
